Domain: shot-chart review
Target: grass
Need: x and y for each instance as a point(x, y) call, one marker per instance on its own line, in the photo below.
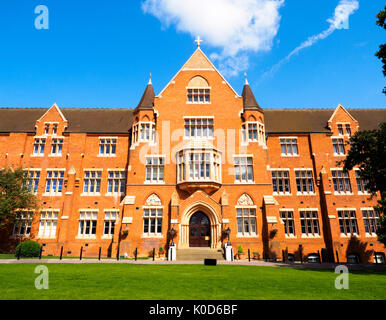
point(12, 256)
point(185, 282)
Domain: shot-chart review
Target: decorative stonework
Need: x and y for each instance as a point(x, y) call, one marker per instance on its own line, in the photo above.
point(245, 200)
point(153, 200)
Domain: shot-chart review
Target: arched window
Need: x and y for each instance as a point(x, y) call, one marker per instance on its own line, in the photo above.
point(198, 91)
point(246, 216)
point(152, 216)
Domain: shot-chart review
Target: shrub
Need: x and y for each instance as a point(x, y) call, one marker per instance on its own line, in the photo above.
point(28, 249)
point(161, 249)
point(240, 249)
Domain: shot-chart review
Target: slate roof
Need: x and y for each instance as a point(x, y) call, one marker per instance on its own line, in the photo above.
point(120, 120)
point(249, 99)
point(147, 100)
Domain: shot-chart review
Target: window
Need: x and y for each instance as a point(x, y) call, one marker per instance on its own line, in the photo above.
point(340, 129)
point(304, 181)
point(92, 182)
point(371, 221)
point(341, 181)
point(22, 226)
point(288, 220)
point(313, 258)
point(155, 169)
point(289, 147)
point(347, 222)
point(57, 145)
point(199, 128)
point(199, 166)
point(116, 182)
point(253, 132)
point(107, 147)
point(55, 129)
point(338, 145)
point(32, 182)
point(54, 182)
point(152, 222)
point(243, 169)
point(361, 183)
point(281, 182)
point(246, 221)
point(200, 96)
point(353, 259)
point(39, 146)
point(309, 222)
point(87, 223)
point(48, 224)
point(144, 132)
point(46, 129)
point(110, 219)
point(348, 130)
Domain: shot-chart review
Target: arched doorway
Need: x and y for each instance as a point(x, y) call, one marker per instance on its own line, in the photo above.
point(199, 230)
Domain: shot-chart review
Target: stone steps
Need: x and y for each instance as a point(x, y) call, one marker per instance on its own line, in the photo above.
point(199, 254)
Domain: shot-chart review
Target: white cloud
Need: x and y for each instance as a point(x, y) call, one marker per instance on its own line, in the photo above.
point(340, 20)
point(235, 26)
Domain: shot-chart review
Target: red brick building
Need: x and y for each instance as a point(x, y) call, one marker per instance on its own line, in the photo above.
point(198, 158)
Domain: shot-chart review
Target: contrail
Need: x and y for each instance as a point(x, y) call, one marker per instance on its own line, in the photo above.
point(343, 11)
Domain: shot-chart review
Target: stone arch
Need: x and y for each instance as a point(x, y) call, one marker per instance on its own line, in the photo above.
point(145, 118)
point(252, 118)
point(215, 224)
point(153, 200)
point(198, 82)
point(245, 200)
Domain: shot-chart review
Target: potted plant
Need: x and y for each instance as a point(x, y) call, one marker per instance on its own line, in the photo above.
point(161, 252)
point(256, 256)
point(240, 252)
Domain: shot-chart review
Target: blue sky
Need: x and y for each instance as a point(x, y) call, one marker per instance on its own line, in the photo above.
point(100, 54)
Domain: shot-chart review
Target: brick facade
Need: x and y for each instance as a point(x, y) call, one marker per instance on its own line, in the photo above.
point(208, 187)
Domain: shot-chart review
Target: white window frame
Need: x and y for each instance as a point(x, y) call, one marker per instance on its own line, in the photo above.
point(143, 132)
point(288, 222)
point(361, 183)
point(111, 146)
point(121, 181)
point(339, 180)
point(48, 220)
point(198, 92)
point(57, 146)
point(370, 222)
point(347, 233)
point(39, 146)
point(337, 144)
point(92, 188)
point(248, 131)
point(191, 124)
point(250, 218)
point(23, 222)
point(110, 222)
point(309, 222)
point(89, 216)
point(283, 179)
point(309, 179)
point(158, 221)
point(289, 143)
point(243, 168)
point(156, 170)
point(59, 181)
point(33, 181)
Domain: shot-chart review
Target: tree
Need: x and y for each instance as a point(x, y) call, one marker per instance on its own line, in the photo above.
point(368, 153)
point(381, 54)
point(14, 195)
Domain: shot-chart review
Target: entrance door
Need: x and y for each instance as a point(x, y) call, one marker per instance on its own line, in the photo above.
point(199, 230)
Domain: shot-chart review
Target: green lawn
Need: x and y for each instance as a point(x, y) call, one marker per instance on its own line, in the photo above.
point(186, 282)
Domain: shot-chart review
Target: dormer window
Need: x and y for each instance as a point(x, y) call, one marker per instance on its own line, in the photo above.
point(198, 91)
point(55, 129)
point(340, 129)
point(46, 129)
point(348, 130)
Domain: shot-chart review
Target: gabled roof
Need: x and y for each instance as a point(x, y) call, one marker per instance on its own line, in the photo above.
point(117, 121)
point(147, 100)
point(336, 111)
point(198, 61)
point(56, 108)
point(249, 99)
